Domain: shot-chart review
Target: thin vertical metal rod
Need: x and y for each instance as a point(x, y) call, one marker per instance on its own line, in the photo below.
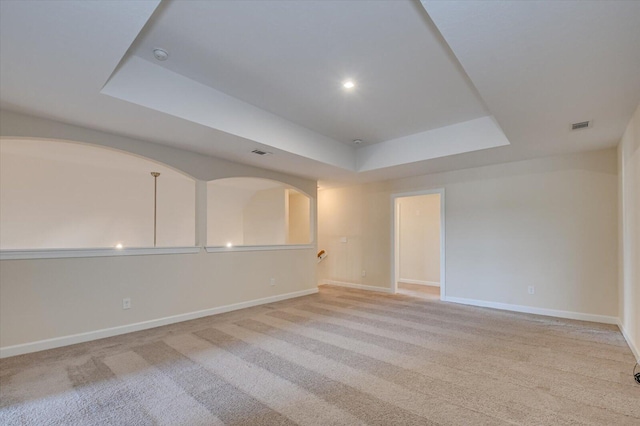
point(155, 205)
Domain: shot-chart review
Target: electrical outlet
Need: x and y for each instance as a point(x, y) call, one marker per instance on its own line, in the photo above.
point(532, 289)
point(126, 303)
point(272, 282)
point(364, 273)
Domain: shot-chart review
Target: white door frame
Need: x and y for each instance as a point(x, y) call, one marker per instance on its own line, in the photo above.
point(395, 222)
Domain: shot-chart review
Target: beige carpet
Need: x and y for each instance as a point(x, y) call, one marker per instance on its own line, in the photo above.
point(341, 357)
point(418, 290)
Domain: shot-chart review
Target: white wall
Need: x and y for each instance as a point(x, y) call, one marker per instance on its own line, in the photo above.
point(52, 298)
point(419, 239)
point(550, 223)
point(629, 198)
point(69, 195)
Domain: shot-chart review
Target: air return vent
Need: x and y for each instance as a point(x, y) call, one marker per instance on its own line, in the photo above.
point(260, 152)
point(581, 125)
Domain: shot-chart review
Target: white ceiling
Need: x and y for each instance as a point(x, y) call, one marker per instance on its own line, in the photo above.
point(434, 91)
point(541, 66)
point(290, 58)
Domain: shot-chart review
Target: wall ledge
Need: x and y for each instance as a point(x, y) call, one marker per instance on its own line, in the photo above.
point(605, 319)
point(217, 249)
point(73, 339)
point(93, 252)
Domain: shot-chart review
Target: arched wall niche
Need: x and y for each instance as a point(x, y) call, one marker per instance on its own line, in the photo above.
point(200, 166)
point(58, 194)
point(248, 211)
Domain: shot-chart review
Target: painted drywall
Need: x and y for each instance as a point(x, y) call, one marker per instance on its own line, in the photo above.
point(629, 229)
point(68, 195)
point(419, 239)
point(201, 167)
point(264, 218)
point(298, 218)
point(224, 214)
point(250, 211)
point(52, 298)
point(550, 223)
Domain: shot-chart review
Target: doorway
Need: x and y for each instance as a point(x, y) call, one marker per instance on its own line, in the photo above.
point(418, 244)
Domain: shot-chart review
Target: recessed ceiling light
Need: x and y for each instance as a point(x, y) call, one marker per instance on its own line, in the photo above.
point(160, 54)
point(349, 84)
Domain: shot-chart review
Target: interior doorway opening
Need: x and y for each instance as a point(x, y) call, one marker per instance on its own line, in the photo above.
point(419, 244)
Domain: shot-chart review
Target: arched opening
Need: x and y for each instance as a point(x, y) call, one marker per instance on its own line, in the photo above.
point(256, 212)
point(62, 194)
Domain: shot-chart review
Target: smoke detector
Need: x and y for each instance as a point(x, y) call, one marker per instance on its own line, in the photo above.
point(260, 152)
point(160, 54)
point(582, 125)
point(357, 141)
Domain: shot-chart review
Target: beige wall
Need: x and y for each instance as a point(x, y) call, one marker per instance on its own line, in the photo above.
point(201, 167)
point(224, 214)
point(419, 239)
point(70, 195)
point(52, 298)
point(49, 298)
point(354, 230)
point(298, 218)
point(264, 218)
point(550, 223)
point(629, 198)
point(250, 211)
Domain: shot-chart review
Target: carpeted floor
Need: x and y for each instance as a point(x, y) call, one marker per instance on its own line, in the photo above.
point(418, 290)
point(341, 357)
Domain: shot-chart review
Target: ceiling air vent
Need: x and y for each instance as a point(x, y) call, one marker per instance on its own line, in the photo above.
point(581, 125)
point(260, 152)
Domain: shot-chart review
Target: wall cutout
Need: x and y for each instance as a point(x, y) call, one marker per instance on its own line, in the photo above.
point(256, 212)
point(57, 194)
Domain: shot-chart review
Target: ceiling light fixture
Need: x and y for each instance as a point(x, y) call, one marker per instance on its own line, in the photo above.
point(160, 54)
point(349, 84)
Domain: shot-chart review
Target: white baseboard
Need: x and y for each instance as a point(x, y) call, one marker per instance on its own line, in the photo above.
point(419, 282)
point(627, 337)
point(533, 310)
point(57, 342)
point(358, 286)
